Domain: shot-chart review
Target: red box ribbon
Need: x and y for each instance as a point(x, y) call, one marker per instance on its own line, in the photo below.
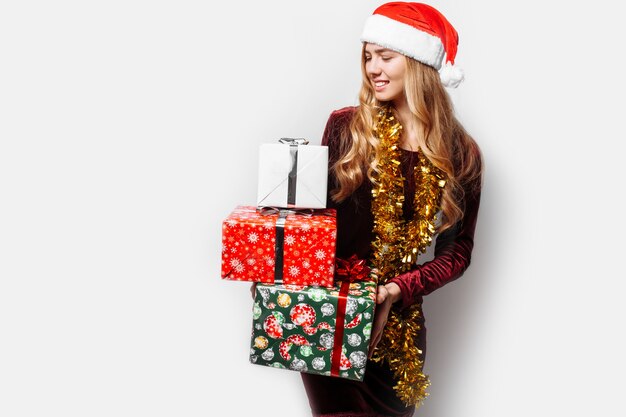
point(347, 271)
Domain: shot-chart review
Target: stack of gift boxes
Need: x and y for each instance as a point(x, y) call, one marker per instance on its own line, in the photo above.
point(312, 312)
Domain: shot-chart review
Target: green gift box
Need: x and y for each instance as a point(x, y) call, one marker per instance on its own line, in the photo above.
point(313, 329)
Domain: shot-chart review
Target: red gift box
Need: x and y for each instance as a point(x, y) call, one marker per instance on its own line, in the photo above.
point(279, 247)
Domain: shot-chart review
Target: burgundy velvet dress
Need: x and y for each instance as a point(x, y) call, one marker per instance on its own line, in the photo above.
point(375, 396)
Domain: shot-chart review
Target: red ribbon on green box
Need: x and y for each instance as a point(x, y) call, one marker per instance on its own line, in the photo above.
point(347, 271)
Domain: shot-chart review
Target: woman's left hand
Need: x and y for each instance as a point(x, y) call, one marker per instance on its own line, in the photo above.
point(386, 295)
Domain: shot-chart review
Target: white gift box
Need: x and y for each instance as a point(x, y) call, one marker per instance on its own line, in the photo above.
point(292, 175)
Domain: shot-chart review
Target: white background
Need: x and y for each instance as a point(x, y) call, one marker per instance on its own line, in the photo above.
point(129, 130)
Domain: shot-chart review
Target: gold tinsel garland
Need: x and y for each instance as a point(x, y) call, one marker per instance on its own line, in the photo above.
point(397, 244)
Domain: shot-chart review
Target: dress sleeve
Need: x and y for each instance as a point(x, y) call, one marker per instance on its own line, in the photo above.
point(337, 122)
point(328, 129)
point(453, 250)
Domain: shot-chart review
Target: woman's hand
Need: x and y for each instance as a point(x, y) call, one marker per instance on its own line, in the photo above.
point(386, 295)
point(253, 290)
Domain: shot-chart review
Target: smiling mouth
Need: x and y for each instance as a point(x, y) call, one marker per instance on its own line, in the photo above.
point(381, 83)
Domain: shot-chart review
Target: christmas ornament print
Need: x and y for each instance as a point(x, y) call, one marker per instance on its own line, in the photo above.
point(306, 351)
point(367, 330)
point(294, 339)
point(256, 311)
point(268, 355)
point(354, 339)
point(308, 247)
point(328, 309)
point(272, 325)
point(284, 300)
point(319, 364)
point(299, 324)
point(303, 315)
point(344, 363)
point(358, 359)
point(326, 340)
point(260, 342)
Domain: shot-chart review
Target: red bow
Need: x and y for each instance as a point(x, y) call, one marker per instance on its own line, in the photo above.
point(351, 269)
point(347, 271)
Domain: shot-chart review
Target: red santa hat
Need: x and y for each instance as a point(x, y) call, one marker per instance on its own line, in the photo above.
point(418, 31)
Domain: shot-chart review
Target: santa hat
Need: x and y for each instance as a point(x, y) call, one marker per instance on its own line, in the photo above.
point(418, 31)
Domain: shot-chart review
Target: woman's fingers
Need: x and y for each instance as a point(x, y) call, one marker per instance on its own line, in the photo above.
point(375, 339)
point(386, 295)
point(380, 320)
point(373, 347)
point(381, 294)
point(373, 343)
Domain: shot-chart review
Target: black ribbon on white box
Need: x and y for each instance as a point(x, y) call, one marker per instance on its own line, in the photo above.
point(293, 173)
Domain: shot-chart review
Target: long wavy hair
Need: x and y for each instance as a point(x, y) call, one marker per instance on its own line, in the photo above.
point(442, 138)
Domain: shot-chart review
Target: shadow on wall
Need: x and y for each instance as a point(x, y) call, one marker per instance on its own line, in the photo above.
point(454, 317)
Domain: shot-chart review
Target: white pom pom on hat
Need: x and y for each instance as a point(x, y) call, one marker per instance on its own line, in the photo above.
point(418, 31)
point(451, 75)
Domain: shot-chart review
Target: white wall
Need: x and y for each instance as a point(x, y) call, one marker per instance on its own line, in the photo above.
point(129, 130)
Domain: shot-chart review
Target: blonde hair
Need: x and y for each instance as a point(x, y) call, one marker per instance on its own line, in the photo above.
point(443, 140)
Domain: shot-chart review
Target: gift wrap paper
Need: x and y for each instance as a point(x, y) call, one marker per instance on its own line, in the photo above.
point(306, 245)
point(296, 328)
point(292, 176)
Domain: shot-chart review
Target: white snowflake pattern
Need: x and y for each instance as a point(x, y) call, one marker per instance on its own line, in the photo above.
point(237, 265)
point(306, 227)
point(269, 261)
point(294, 270)
point(305, 264)
point(290, 240)
point(268, 225)
point(231, 222)
point(253, 238)
point(250, 261)
point(302, 238)
point(320, 254)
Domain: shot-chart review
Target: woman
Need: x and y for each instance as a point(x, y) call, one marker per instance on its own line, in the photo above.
point(400, 162)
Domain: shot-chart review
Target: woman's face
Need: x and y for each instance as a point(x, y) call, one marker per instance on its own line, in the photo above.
point(385, 70)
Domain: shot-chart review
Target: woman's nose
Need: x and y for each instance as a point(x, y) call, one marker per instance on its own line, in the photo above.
point(372, 67)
